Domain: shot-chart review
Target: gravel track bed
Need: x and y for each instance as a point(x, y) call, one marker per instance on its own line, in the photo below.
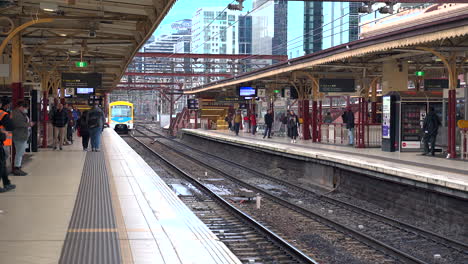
point(406, 240)
point(350, 249)
point(240, 238)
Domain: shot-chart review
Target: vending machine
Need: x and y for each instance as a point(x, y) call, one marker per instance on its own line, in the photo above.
point(403, 115)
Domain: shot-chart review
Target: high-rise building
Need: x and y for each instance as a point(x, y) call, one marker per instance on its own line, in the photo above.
point(328, 24)
point(270, 27)
point(219, 31)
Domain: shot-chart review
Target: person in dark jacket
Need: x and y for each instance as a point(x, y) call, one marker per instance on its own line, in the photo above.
point(20, 120)
point(70, 124)
point(95, 120)
point(430, 127)
point(269, 123)
point(83, 130)
point(60, 122)
point(5, 140)
point(349, 121)
point(293, 124)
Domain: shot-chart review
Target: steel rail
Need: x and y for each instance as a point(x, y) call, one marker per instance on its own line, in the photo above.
point(264, 230)
point(364, 238)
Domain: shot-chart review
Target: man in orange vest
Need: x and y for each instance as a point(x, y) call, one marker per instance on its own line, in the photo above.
point(6, 126)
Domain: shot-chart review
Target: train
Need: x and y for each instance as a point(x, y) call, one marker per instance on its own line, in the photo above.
point(121, 116)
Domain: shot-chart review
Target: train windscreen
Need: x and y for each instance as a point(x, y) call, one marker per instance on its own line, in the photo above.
point(121, 111)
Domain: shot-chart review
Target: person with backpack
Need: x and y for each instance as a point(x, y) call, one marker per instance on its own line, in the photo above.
point(59, 121)
point(95, 120)
point(83, 130)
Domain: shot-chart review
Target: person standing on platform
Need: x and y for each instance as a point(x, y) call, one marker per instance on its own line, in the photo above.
point(293, 124)
point(95, 121)
point(349, 120)
point(83, 130)
point(268, 123)
point(59, 121)
point(328, 118)
point(247, 122)
point(253, 123)
point(5, 141)
point(21, 134)
point(228, 119)
point(76, 116)
point(70, 124)
point(430, 126)
point(237, 121)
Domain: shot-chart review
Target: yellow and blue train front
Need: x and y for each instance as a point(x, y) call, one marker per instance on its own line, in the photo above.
point(120, 120)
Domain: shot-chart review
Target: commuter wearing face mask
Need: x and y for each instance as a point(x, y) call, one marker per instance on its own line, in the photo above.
point(21, 133)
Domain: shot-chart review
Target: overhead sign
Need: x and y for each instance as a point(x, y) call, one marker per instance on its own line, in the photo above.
point(337, 85)
point(437, 84)
point(261, 93)
point(81, 80)
point(230, 99)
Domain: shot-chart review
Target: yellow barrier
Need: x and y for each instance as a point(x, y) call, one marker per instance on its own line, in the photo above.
point(462, 123)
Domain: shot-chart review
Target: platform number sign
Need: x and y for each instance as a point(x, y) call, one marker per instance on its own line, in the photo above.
point(192, 104)
point(261, 92)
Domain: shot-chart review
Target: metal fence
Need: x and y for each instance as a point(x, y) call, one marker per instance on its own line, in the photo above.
point(337, 134)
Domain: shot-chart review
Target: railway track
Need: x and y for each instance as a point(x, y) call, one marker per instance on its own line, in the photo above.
point(406, 242)
point(249, 240)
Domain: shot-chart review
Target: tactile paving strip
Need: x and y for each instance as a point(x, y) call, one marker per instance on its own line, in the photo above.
point(92, 236)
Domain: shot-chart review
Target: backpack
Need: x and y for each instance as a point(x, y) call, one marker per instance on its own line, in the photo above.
point(93, 120)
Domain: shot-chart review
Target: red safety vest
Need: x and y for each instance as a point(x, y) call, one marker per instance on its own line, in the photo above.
point(9, 139)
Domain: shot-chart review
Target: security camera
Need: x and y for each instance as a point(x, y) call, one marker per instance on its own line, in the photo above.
point(92, 34)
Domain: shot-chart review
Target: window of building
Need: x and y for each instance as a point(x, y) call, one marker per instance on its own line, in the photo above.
point(231, 17)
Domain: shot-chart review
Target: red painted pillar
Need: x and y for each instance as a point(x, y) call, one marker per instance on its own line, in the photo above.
point(374, 112)
point(315, 117)
point(451, 124)
point(320, 121)
point(304, 113)
point(17, 93)
point(45, 119)
point(360, 127)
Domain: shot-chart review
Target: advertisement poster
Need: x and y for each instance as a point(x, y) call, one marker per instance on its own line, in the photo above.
point(386, 117)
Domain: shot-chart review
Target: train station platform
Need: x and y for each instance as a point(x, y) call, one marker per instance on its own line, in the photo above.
point(100, 207)
point(434, 173)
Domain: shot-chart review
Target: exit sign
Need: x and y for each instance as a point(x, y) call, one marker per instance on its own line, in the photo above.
point(419, 73)
point(81, 64)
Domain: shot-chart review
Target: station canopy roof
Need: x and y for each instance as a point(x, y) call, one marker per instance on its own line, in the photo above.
point(447, 35)
point(106, 34)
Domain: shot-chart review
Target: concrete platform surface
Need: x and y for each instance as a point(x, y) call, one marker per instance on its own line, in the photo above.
point(451, 174)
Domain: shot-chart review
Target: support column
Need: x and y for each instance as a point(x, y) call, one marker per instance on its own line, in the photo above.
point(320, 121)
point(315, 117)
point(45, 117)
point(16, 70)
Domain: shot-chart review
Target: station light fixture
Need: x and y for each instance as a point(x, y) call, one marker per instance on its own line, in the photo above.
point(81, 64)
point(49, 7)
point(420, 73)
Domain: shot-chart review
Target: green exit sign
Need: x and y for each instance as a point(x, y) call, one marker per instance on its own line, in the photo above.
point(277, 91)
point(420, 73)
point(81, 64)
